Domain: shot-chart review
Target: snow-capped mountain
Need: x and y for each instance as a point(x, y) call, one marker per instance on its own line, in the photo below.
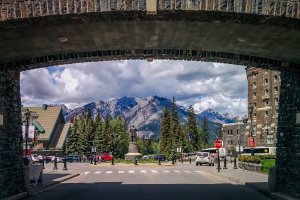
point(144, 114)
point(211, 115)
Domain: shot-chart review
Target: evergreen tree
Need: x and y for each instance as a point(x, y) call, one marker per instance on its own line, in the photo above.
point(191, 129)
point(73, 140)
point(174, 131)
point(119, 139)
point(204, 134)
point(99, 139)
point(164, 131)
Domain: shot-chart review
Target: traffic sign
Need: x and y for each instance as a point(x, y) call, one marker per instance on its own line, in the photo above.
point(218, 143)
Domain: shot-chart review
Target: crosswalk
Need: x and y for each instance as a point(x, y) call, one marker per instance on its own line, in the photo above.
point(150, 171)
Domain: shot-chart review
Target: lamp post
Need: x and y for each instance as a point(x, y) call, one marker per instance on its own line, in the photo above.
point(251, 140)
point(250, 111)
point(27, 117)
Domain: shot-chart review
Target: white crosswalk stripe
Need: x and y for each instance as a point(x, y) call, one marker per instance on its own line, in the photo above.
point(143, 172)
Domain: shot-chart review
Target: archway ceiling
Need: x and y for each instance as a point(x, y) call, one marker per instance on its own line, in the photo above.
point(23, 39)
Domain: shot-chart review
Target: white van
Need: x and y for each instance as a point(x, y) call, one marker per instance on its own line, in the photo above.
point(204, 158)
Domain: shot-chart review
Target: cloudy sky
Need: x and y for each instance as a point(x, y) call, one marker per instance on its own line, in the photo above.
point(221, 87)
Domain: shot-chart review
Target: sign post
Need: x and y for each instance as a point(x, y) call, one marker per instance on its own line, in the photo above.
point(218, 144)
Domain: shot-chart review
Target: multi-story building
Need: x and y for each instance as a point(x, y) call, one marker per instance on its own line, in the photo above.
point(263, 95)
point(233, 136)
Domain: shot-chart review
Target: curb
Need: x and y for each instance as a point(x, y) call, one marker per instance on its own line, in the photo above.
point(17, 196)
point(281, 196)
point(50, 185)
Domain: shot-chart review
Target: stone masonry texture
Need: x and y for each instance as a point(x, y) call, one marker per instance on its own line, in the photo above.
point(288, 142)
point(11, 163)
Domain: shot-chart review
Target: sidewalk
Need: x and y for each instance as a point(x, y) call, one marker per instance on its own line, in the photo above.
point(255, 180)
point(53, 177)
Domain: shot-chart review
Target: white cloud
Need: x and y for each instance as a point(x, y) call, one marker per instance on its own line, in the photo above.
point(221, 87)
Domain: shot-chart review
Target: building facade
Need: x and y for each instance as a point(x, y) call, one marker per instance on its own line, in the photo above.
point(233, 136)
point(263, 95)
point(51, 130)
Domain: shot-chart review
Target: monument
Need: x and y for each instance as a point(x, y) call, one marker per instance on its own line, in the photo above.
point(133, 149)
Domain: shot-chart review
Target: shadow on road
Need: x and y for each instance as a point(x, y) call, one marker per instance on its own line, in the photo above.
point(120, 191)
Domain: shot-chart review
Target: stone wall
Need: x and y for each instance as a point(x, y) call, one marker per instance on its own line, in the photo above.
point(288, 137)
point(11, 163)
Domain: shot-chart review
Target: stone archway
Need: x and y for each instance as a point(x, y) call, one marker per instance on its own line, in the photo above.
point(40, 35)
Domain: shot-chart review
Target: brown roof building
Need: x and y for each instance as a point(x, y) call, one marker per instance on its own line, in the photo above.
point(51, 129)
point(263, 94)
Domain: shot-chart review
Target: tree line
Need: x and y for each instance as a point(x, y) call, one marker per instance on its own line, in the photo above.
point(110, 135)
point(189, 137)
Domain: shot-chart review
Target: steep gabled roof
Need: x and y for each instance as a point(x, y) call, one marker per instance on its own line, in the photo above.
point(47, 119)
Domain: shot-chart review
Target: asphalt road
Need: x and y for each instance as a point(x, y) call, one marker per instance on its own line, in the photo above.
point(140, 182)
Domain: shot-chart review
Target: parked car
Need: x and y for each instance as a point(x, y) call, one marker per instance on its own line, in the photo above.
point(159, 157)
point(105, 157)
point(72, 158)
point(145, 156)
point(204, 158)
point(58, 159)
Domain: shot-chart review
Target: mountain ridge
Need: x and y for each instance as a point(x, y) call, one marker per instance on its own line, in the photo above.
point(146, 114)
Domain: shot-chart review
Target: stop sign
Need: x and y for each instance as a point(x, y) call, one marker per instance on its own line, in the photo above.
point(218, 144)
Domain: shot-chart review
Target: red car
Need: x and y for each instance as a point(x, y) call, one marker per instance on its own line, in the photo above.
point(106, 157)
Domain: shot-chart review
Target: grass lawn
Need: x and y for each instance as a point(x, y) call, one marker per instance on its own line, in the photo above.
point(266, 165)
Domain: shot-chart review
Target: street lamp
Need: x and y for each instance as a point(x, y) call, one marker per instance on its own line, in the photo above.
point(250, 111)
point(251, 140)
point(27, 117)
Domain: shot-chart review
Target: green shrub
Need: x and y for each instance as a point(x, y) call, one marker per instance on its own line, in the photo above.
point(266, 165)
point(255, 159)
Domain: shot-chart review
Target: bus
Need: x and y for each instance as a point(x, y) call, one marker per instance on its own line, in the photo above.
point(259, 150)
point(214, 151)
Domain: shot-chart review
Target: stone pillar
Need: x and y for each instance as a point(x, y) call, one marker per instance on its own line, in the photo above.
point(288, 135)
point(11, 162)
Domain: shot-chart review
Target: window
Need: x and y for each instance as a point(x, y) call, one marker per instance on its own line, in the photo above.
point(266, 113)
point(254, 104)
point(266, 81)
point(231, 132)
point(276, 88)
point(227, 132)
point(275, 77)
point(254, 115)
point(276, 101)
point(254, 84)
point(267, 103)
point(270, 141)
point(237, 131)
point(254, 94)
point(266, 91)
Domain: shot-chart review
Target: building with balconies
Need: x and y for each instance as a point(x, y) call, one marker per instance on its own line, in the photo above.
point(263, 94)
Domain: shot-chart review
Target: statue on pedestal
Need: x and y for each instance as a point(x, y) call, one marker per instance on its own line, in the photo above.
point(133, 149)
point(133, 134)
